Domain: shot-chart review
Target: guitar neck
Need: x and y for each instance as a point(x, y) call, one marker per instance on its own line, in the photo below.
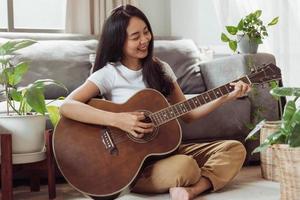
point(172, 112)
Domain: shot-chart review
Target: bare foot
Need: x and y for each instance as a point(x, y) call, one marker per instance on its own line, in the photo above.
point(181, 193)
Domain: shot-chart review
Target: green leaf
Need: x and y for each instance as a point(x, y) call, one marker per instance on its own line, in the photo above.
point(224, 38)
point(294, 140)
point(5, 60)
point(35, 98)
point(273, 84)
point(261, 147)
point(6, 47)
point(26, 108)
point(233, 45)
point(16, 95)
point(276, 138)
point(285, 91)
point(257, 13)
point(54, 115)
point(288, 113)
point(274, 21)
point(17, 73)
point(295, 119)
point(41, 83)
point(240, 25)
point(255, 129)
point(232, 30)
point(14, 45)
point(258, 41)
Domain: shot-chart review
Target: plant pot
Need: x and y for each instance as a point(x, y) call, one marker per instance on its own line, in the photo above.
point(270, 169)
point(27, 132)
point(289, 160)
point(246, 45)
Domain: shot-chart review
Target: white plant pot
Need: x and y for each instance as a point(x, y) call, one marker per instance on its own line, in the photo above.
point(245, 45)
point(27, 132)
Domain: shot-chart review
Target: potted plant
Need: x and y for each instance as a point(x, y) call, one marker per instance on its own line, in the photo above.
point(25, 107)
point(286, 142)
point(249, 33)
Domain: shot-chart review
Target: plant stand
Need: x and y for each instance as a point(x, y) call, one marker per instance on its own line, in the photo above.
point(289, 160)
point(270, 169)
point(7, 167)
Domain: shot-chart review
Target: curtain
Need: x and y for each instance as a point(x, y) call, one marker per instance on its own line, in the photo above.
point(283, 40)
point(88, 16)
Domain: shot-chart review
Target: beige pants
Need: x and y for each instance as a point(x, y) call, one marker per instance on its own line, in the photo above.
point(218, 161)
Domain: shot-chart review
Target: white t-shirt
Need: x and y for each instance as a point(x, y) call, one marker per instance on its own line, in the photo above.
point(118, 83)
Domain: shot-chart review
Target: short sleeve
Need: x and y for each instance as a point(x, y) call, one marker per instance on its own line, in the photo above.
point(168, 70)
point(103, 79)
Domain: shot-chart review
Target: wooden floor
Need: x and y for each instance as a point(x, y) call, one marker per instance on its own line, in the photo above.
point(248, 185)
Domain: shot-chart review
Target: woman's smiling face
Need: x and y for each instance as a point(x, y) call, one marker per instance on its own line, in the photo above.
point(137, 40)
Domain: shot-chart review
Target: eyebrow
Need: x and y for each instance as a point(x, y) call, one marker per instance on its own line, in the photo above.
point(135, 33)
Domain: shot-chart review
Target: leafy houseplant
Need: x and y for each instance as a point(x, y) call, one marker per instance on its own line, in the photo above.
point(286, 144)
point(250, 29)
point(289, 132)
point(25, 106)
point(31, 97)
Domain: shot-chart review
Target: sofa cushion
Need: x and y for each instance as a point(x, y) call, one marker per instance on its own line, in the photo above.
point(226, 122)
point(183, 57)
point(66, 61)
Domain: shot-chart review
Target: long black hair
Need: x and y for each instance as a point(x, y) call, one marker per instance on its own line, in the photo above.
point(112, 40)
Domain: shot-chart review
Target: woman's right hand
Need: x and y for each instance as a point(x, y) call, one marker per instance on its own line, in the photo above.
point(131, 122)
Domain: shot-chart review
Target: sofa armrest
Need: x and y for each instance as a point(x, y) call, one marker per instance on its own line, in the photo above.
point(223, 70)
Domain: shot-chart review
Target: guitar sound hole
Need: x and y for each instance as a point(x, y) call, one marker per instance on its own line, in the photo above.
point(148, 136)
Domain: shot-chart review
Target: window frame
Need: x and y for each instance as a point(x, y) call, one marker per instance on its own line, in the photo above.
point(11, 26)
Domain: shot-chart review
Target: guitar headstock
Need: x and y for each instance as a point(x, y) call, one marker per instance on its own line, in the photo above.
point(269, 72)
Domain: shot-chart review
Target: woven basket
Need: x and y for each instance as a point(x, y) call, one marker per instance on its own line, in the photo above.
point(269, 165)
point(289, 160)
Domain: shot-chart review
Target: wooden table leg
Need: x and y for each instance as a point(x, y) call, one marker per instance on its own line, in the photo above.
point(6, 167)
point(34, 182)
point(50, 165)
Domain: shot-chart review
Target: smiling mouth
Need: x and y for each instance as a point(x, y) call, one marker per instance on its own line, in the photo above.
point(143, 48)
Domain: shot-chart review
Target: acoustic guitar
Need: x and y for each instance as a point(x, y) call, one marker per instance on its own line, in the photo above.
point(104, 162)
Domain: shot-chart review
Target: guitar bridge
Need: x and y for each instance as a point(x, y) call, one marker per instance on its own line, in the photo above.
point(108, 142)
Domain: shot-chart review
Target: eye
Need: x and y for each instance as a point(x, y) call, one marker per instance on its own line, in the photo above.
point(146, 32)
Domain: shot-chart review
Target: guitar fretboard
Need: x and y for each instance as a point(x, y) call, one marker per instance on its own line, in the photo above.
point(172, 112)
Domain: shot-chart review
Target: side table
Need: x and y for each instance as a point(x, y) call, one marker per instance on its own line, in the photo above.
point(7, 163)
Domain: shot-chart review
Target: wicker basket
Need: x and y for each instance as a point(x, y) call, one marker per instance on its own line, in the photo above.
point(289, 160)
point(269, 166)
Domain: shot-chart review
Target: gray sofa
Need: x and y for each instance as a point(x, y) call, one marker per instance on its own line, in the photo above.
point(65, 58)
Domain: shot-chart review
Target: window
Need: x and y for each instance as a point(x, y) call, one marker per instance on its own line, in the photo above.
point(32, 15)
point(3, 14)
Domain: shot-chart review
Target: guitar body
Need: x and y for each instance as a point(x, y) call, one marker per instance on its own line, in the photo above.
point(86, 160)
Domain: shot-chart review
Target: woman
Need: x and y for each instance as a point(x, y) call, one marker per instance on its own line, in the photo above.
point(124, 65)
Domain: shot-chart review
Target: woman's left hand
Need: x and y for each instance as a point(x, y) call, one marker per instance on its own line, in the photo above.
point(240, 90)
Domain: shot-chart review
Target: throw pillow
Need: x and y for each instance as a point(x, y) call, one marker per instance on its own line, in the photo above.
point(66, 61)
point(183, 57)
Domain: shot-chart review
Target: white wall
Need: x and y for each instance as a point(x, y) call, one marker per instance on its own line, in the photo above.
point(158, 13)
point(195, 19)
